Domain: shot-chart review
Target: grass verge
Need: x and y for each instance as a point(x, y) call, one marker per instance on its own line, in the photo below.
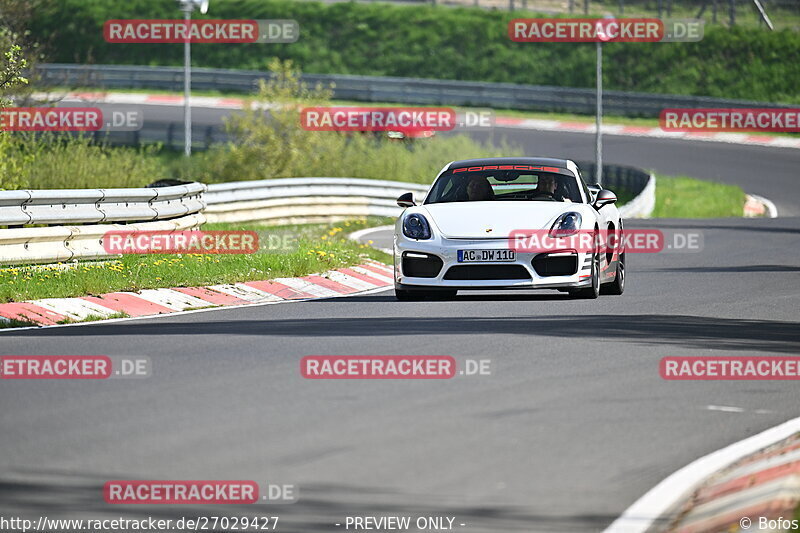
point(94, 318)
point(14, 323)
point(684, 197)
point(313, 248)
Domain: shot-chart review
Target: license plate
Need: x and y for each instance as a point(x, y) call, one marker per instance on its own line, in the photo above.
point(486, 256)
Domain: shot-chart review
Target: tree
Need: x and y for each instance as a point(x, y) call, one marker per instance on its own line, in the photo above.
point(12, 65)
point(11, 76)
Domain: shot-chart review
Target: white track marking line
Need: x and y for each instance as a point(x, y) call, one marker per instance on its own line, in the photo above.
point(725, 408)
point(358, 235)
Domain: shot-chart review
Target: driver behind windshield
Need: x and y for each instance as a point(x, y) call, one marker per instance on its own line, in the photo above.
point(479, 188)
point(546, 187)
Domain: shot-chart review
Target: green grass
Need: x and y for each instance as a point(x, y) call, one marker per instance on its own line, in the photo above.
point(318, 248)
point(94, 318)
point(14, 323)
point(684, 197)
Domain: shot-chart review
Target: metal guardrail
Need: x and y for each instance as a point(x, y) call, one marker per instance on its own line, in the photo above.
point(97, 206)
point(300, 200)
point(389, 89)
point(633, 180)
point(275, 201)
point(28, 246)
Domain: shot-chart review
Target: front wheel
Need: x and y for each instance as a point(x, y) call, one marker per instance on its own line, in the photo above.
point(617, 286)
point(593, 291)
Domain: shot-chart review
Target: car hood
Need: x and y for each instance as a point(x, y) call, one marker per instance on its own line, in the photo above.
point(471, 220)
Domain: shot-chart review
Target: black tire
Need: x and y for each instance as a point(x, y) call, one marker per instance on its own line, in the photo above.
point(405, 295)
point(443, 295)
point(592, 292)
point(616, 287)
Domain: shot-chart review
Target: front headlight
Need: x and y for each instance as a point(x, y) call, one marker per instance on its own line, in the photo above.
point(566, 224)
point(415, 226)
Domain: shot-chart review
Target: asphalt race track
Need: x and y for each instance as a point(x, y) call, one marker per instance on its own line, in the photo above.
point(573, 425)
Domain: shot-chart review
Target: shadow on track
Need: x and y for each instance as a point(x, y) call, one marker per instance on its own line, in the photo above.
point(680, 330)
point(57, 494)
point(737, 269)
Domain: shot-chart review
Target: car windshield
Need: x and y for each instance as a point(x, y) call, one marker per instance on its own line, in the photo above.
point(460, 185)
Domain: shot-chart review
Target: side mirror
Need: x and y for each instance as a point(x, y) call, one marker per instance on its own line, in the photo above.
point(604, 197)
point(406, 200)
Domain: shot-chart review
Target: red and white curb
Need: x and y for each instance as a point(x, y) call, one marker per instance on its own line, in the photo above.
point(646, 131)
point(368, 276)
point(507, 122)
point(758, 206)
point(761, 488)
point(753, 478)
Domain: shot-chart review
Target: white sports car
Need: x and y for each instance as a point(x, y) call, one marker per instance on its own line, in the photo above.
point(509, 223)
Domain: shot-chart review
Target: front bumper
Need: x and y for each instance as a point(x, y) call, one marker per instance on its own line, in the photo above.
point(434, 264)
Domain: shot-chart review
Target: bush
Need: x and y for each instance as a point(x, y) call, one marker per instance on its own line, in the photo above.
point(66, 162)
point(275, 145)
point(439, 42)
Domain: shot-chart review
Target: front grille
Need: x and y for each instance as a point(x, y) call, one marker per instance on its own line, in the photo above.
point(421, 267)
point(560, 265)
point(484, 272)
